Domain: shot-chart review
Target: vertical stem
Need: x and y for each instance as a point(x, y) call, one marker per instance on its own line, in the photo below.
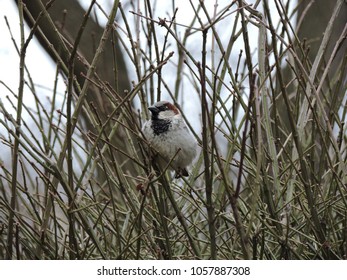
point(251, 96)
point(15, 155)
point(69, 136)
point(72, 238)
point(206, 128)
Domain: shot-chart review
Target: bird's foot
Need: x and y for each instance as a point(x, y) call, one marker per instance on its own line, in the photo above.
point(180, 172)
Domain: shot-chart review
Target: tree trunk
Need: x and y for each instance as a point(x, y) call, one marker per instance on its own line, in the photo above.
point(57, 33)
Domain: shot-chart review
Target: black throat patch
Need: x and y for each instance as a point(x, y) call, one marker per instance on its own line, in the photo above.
point(160, 126)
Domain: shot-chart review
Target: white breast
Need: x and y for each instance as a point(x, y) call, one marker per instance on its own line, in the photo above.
point(168, 143)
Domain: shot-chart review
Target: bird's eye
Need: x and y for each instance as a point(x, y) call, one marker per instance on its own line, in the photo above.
point(163, 108)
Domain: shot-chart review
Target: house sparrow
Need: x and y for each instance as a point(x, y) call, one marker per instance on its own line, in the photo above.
point(168, 134)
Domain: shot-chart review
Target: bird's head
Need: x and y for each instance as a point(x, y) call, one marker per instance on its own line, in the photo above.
point(163, 110)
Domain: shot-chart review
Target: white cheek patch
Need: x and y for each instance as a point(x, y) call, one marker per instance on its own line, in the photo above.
point(166, 114)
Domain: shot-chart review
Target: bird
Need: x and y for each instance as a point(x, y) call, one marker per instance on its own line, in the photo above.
point(169, 135)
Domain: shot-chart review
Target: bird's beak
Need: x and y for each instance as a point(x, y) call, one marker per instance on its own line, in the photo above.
point(153, 109)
